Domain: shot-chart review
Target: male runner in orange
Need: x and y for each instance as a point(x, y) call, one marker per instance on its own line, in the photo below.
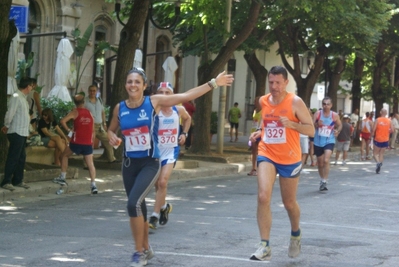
point(284, 117)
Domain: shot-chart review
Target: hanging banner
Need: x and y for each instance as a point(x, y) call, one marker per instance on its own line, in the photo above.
point(20, 15)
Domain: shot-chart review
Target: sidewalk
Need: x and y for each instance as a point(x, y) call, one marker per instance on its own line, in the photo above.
point(236, 159)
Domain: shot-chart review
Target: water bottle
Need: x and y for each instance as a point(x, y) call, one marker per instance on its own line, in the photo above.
point(60, 191)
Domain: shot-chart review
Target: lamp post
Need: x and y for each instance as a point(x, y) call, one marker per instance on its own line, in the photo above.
point(146, 25)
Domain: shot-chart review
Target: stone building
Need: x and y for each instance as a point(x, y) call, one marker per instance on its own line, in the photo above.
point(53, 17)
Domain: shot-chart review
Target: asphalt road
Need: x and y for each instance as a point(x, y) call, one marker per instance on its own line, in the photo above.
point(213, 223)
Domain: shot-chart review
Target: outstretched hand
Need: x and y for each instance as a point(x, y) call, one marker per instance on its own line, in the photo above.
point(224, 79)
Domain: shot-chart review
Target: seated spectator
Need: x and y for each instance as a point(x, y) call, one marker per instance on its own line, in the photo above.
point(33, 137)
point(52, 135)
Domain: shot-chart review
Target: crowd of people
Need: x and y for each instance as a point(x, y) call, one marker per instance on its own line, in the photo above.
point(374, 138)
point(285, 134)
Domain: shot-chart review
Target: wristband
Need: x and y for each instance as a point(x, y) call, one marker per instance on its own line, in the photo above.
point(212, 84)
point(185, 134)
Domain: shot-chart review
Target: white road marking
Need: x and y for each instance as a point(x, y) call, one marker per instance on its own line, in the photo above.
point(209, 256)
point(351, 227)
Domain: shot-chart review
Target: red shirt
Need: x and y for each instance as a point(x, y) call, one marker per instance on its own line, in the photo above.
point(83, 128)
point(190, 108)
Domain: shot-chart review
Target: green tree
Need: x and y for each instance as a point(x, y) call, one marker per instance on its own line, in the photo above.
point(202, 34)
point(7, 32)
point(136, 12)
point(81, 43)
point(326, 28)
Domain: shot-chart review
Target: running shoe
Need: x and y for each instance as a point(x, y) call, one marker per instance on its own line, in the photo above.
point(164, 216)
point(60, 180)
point(138, 260)
point(9, 187)
point(253, 172)
point(263, 253)
point(94, 189)
point(323, 186)
point(23, 185)
point(295, 246)
point(335, 163)
point(377, 170)
point(149, 253)
point(153, 222)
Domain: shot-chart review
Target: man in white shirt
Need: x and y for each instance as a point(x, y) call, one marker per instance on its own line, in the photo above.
point(395, 122)
point(16, 126)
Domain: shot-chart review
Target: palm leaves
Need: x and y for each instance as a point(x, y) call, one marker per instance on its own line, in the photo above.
point(81, 43)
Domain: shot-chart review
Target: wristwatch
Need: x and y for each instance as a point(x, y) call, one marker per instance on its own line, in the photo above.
point(185, 134)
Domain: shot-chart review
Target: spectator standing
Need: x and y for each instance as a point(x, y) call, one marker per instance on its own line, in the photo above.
point(256, 119)
point(395, 123)
point(366, 127)
point(234, 118)
point(16, 126)
point(313, 162)
point(169, 141)
point(34, 101)
point(381, 130)
point(190, 108)
point(81, 140)
point(343, 140)
point(328, 126)
point(96, 107)
point(340, 114)
point(304, 141)
point(354, 117)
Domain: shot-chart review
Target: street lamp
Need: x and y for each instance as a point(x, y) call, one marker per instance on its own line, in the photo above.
point(149, 17)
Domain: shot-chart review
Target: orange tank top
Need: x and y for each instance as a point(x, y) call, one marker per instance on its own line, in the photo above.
point(383, 125)
point(279, 144)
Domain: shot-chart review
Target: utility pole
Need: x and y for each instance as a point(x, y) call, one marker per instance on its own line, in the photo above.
point(223, 92)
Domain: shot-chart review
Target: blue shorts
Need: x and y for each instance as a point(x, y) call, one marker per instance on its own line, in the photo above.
point(167, 161)
point(381, 144)
point(81, 149)
point(286, 171)
point(319, 151)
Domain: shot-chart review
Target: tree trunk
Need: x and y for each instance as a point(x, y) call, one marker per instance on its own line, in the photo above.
point(7, 32)
point(129, 39)
point(288, 39)
point(259, 71)
point(395, 107)
point(376, 90)
point(357, 91)
point(202, 121)
point(335, 78)
point(356, 86)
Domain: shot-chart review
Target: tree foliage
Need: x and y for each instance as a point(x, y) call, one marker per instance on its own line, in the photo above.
point(201, 32)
